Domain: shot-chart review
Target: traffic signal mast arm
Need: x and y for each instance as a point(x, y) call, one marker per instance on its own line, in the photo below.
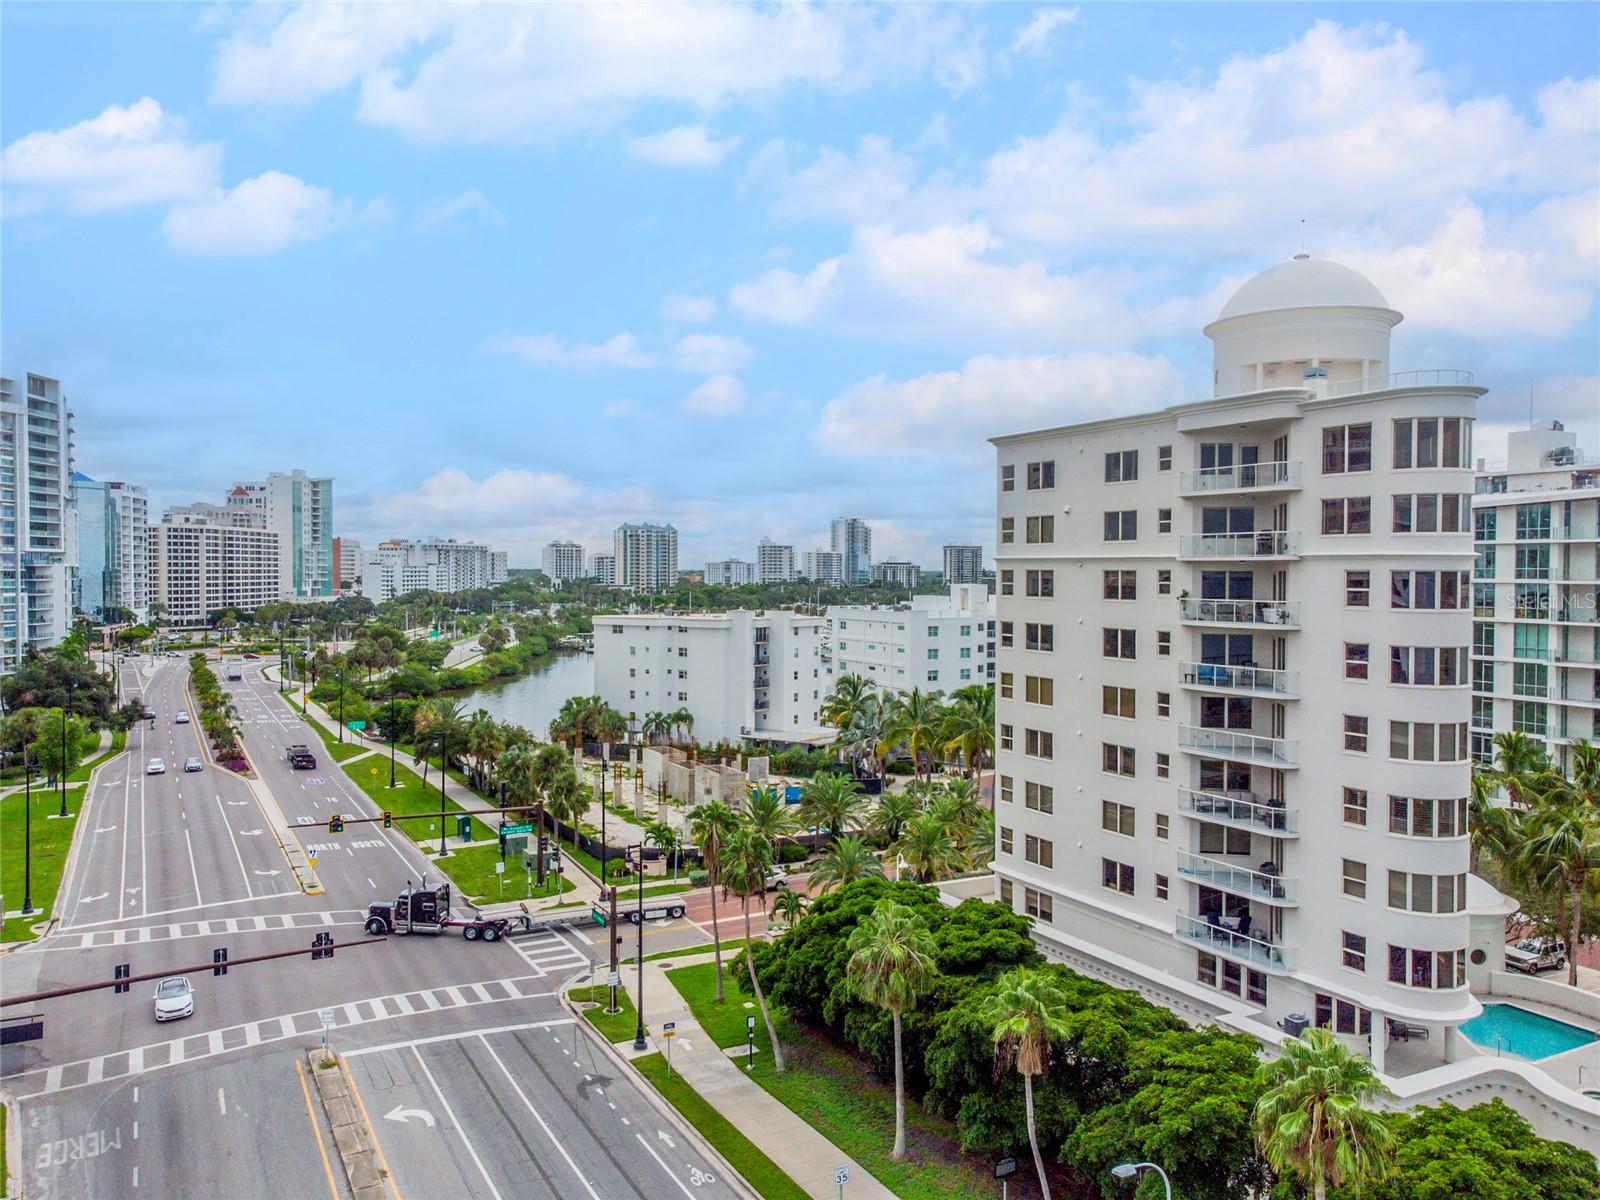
point(388, 818)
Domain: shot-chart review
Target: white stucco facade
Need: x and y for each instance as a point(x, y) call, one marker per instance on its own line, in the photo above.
point(936, 643)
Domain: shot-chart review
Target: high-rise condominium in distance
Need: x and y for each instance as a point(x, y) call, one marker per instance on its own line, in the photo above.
point(935, 643)
point(1260, 794)
point(347, 565)
point(730, 572)
point(208, 557)
point(774, 563)
point(299, 509)
point(447, 565)
point(852, 542)
point(822, 566)
point(563, 561)
point(897, 574)
point(1535, 599)
point(113, 548)
point(38, 554)
point(603, 569)
point(646, 557)
point(963, 564)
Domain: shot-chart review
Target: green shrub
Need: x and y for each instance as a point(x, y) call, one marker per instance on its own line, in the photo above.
point(790, 853)
point(699, 878)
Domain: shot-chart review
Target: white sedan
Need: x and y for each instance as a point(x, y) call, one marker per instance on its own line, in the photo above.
point(155, 767)
point(174, 998)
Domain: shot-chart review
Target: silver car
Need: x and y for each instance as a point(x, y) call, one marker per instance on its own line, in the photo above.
point(182, 718)
point(193, 763)
point(174, 998)
point(155, 767)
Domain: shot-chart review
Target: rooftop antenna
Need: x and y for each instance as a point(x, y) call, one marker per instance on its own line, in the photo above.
point(1302, 253)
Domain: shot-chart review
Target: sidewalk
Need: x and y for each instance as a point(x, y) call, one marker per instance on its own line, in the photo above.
point(804, 1154)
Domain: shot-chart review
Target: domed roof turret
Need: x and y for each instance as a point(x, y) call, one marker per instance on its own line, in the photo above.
point(1303, 282)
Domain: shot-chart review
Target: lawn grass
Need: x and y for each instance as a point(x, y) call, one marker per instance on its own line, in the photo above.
point(614, 1027)
point(836, 1093)
point(729, 949)
point(339, 750)
point(759, 1171)
point(51, 841)
point(408, 798)
point(471, 869)
point(119, 741)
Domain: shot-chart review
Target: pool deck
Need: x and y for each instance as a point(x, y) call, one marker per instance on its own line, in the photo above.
point(1565, 1067)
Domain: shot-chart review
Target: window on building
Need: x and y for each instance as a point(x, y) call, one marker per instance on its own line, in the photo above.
point(1039, 743)
point(1346, 448)
point(1163, 458)
point(933, 677)
point(1006, 739)
point(1036, 904)
point(1040, 637)
point(1008, 584)
point(1008, 477)
point(1357, 589)
point(1040, 797)
point(1355, 879)
point(1223, 839)
point(1355, 660)
point(1533, 522)
point(1119, 643)
point(1432, 442)
point(1351, 514)
point(1122, 466)
point(1163, 826)
point(1355, 734)
point(1163, 765)
point(1354, 953)
point(1116, 701)
point(1426, 817)
point(1429, 512)
point(1007, 786)
point(1355, 806)
point(1116, 876)
point(1121, 585)
point(933, 654)
point(1038, 851)
point(1042, 583)
point(1163, 642)
point(1163, 520)
point(1041, 530)
point(1041, 475)
point(1039, 689)
point(1410, 892)
point(1116, 760)
point(1008, 530)
point(1529, 718)
point(1122, 526)
point(1007, 688)
point(1164, 583)
point(1161, 887)
point(1005, 840)
point(1422, 741)
point(1533, 562)
point(1007, 633)
point(1427, 968)
point(1163, 704)
point(1007, 895)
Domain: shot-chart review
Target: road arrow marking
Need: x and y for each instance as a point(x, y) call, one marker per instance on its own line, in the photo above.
point(269, 873)
point(237, 803)
point(405, 1114)
point(92, 899)
point(662, 1134)
point(249, 832)
point(107, 829)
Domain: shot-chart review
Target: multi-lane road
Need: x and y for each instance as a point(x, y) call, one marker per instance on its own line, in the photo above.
point(476, 1080)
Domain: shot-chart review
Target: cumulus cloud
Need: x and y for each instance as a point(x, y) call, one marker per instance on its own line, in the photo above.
point(951, 413)
point(689, 310)
point(130, 155)
point(1038, 32)
point(451, 210)
point(259, 216)
point(545, 349)
point(784, 297)
point(682, 146)
point(719, 396)
point(712, 353)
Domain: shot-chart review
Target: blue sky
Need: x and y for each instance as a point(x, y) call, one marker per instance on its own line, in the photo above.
point(526, 272)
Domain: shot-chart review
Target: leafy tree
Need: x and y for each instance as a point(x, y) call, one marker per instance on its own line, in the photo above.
point(846, 861)
point(1026, 1010)
point(832, 802)
point(710, 826)
point(1559, 851)
point(58, 755)
point(927, 848)
point(891, 965)
point(1312, 1122)
point(969, 725)
point(744, 861)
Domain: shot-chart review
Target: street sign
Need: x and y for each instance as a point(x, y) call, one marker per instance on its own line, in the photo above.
point(841, 1176)
point(749, 1022)
point(508, 830)
point(614, 979)
point(325, 1015)
point(1006, 1166)
point(499, 868)
point(358, 726)
point(669, 1029)
point(598, 914)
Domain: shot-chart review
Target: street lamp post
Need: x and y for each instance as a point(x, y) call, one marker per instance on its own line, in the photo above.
point(444, 759)
point(64, 708)
point(341, 706)
point(27, 832)
point(391, 734)
point(1131, 1171)
point(605, 765)
point(638, 1032)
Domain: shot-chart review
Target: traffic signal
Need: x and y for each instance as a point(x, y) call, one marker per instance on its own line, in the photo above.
point(388, 819)
point(122, 972)
point(219, 958)
point(336, 823)
point(322, 946)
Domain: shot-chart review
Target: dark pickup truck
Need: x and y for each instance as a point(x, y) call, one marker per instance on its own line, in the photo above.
point(301, 758)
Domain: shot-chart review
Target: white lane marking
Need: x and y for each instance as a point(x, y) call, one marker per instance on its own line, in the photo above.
point(136, 1131)
point(193, 870)
point(136, 1177)
point(462, 1133)
point(664, 1166)
point(228, 825)
point(528, 1104)
point(122, 887)
point(222, 1102)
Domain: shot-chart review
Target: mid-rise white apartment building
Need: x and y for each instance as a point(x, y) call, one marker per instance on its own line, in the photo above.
point(963, 564)
point(208, 557)
point(744, 675)
point(774, 563)
point(1233, 691)
point(299, 509)
point(448, 565)
point(38, 550)
point(730, 572)
point(499, 567)
point(563, 561)
point(897, 574)
point(822, 566)
point(603, 569)
point(113, 548)
point(1536, 595)
point(936, 643)
point(852, 542)
point(646, 557)
point(349, 561)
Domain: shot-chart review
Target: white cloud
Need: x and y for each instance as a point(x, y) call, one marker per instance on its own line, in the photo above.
point(447, 210)
point(682, 146)
point(689, 310)
point(545, 349)
point(124, 156)
point(259, 216)
point(719, 396)
point(712, 353)
point(950, 413)
point(784, 297)
point(1046, 21)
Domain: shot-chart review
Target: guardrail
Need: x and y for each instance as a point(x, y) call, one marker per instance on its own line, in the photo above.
point(1263, 543)
point(1274, 752)
point(1241, 478)
point(1241, 881)
point(1222, 940)
point(1240, 612)
point(1243, 810)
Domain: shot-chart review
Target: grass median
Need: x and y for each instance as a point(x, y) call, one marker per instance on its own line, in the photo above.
point(337, 749)
point(472, 870)
point(614, 1027)
point(49, 844)
point(759, 1171)
point(410, 797)
point(836, 1093)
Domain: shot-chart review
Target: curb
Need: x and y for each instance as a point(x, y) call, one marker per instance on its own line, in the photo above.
point(13, 1147)
point(352, 1132)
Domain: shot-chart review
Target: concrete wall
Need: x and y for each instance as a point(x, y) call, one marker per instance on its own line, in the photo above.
point(1513, 985)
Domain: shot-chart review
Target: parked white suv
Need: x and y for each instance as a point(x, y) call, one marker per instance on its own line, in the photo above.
point(1532, 955)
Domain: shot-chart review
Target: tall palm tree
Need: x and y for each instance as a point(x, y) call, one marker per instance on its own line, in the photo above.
point(1518, 758)
point(969, 725)
point(655, 727)
point(790, 905)
point(1559, 851)
point(1311, 1120)
point(847, 860)
point(664, 838)
point(913, 720)
point(710, 826)
point(1027, 1012)
point(746, 857)
point(894, 809)
point(515, 772)
point(832, 802)
point(1490, 823)
point(483, 740)
point(850, 693)
point(927, 847)
point(769, 814)
point(891, 965)
point(566, 800)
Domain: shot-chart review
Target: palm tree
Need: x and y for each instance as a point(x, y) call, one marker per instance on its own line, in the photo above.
point(664, 838)
point(890, 966)
point(893, 811)
point(913, 720)
point(515, 772)
point(710, 826)
point(684, 719)
point(746, 858)
point(790, 905)
point(656, 727)
point(484, 742)
point(969, 725)
point(1559, 851)
point(566, 800)
point(832, 802)
point(1027, 1011)
point(769, 814)
point(1518, 758)
point(927, 847)
point(1310, 1119)
point(850, 693)
point(847, 860)
point(1491, 824)
point(980, 846)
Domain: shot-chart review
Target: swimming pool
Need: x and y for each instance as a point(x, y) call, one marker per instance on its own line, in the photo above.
point(1507, 1029)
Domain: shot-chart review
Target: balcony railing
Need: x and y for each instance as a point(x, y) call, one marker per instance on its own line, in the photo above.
point(1263, 543)
point(1243, 810)
point(1221, 940)
point(1400, 379)
point(1240, 612)
point(1576, 654)
point(1225, 678)
point(1585, 611)
point(1244, 477)
point(1233, 743)
point(1240, 881)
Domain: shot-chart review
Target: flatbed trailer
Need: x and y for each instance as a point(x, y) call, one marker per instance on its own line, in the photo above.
point(427, 910)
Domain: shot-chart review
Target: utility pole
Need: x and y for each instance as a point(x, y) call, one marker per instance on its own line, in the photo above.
point(612, 930)
point(27, 833)
point(538, 842)
point(638, 1032)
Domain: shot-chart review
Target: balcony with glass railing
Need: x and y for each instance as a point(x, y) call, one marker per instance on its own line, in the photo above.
point(1263, 543)
point(1244, 477)
point(1236, 680)
point(1446, 377)
point(1201, 610)
point(1241, 810)
point(1265, 886)
point(1240, 746)
point(1219, 939)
